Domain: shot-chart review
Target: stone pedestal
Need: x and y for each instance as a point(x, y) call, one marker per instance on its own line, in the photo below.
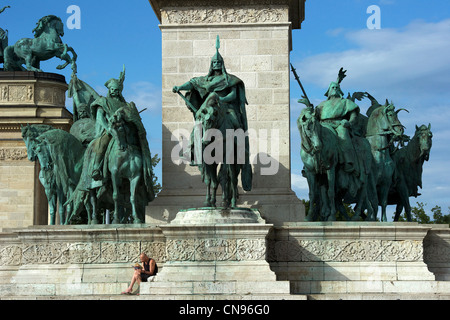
point(328, 260)
point(255, 39)
point(207, 257)
point(26, 98)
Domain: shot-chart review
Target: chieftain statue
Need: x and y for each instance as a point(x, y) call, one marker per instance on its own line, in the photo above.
point(117, 166)
point(217, 101)
point(104, 163)
point(352, 158)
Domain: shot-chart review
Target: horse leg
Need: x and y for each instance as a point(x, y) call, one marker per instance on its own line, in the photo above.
point(133, 186)
point(93, 202)
point(331, 176)
point(52, 204)
point(29, 63)
point(398, 211)
point(407, 210)
point(61, 208)
point(233, 176)
point(207, 202)
point(311, 179)
point(324, 205)
point(63, 56)
point(215, 185)
point(88, 207)
point(116, 196)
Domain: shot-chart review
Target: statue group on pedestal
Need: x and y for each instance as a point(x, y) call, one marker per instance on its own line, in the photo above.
point(104, 163)
point(356, 159)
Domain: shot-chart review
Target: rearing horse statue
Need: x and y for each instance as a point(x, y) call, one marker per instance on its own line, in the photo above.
point(46, 44)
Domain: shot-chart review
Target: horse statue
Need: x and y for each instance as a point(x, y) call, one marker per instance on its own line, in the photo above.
point(213, 118)
point(60, 155)
point(46, 44)
point(383, 130)
point(409, 165)
point(125, 163)
point(328, 183)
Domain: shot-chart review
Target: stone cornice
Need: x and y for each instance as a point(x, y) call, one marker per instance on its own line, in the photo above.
point(296, 8)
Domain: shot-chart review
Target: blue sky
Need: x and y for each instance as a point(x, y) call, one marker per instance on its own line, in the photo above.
point(407, 61)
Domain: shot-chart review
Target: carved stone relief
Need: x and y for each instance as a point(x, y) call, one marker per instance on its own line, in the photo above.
point(225, 15)
point(29, 93)
point(81, 252)
point(345, 250)
point(7, 154)
point(215, 250)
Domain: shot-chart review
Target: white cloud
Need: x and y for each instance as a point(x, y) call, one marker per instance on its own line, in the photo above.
point(298, 182)
point(145, 95)
point(414, 59)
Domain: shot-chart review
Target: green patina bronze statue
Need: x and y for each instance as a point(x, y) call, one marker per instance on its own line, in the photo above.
point(103, 164)
point(117, 153)
point(3, 37)
point(45, 45)
point(352, 158)
point(217, 102)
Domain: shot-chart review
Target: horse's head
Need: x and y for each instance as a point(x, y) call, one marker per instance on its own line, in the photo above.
point(384, 121)
point(47, 23)
point(393, 123)
point(118, 130)
point(424, 136)
point(309, 128)
point(43, 154)
point(29, 135)
point(208, 115)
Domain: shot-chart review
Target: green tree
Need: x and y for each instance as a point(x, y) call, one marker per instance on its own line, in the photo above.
point(156, 185)
point(438, 217)
point(418, 214)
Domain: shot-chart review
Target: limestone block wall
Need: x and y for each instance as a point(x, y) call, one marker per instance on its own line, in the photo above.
point(20, 191)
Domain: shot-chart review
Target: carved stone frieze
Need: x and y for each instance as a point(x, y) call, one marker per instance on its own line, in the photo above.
point(215, 250)
point(29, 93)
point(225, 15)
point(8, 154)
point(345, 250)
point(79, 252)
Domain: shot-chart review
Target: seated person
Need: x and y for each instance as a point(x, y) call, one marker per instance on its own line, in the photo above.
point(142, 274)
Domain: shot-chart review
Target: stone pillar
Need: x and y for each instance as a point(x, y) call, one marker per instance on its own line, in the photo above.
point(26, 98)
point(255, 44)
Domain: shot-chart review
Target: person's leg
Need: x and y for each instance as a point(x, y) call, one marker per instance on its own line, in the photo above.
point(136, 277)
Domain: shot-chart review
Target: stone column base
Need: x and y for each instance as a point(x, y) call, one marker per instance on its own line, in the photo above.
point(211, 257)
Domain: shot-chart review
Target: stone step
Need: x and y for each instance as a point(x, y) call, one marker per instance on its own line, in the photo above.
point(162, 297)
point(425, 287)
point(62, 289)
point(215, 287)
